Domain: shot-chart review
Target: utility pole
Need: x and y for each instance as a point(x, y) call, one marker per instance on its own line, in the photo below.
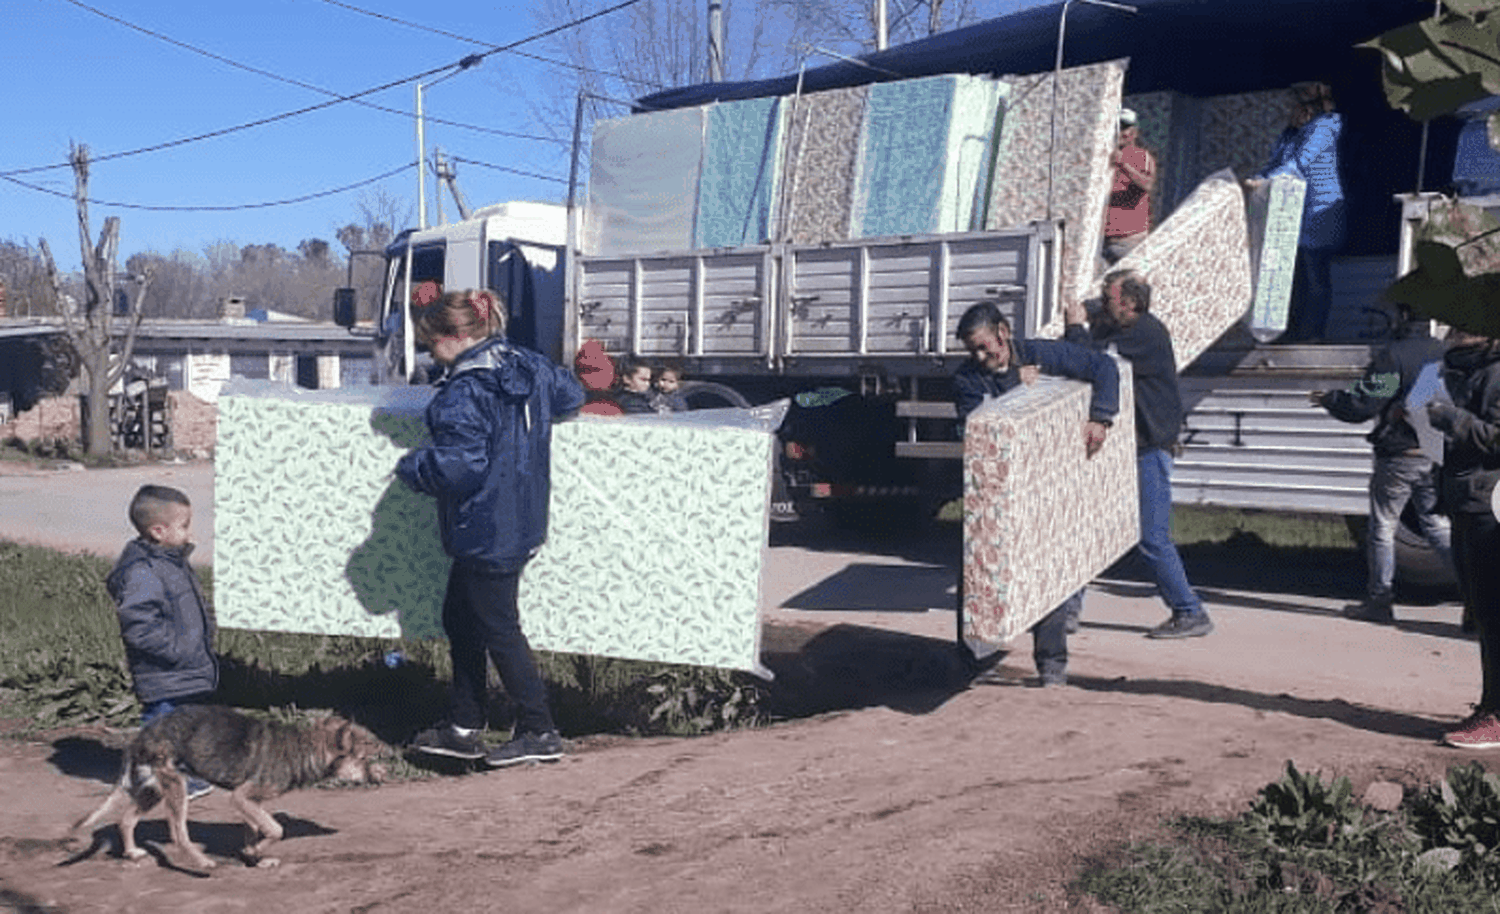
point(421, 160)
point(715, 41)
point(448, 175)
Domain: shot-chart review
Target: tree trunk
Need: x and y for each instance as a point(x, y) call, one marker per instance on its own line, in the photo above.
point(97, 440)
point(92, 333)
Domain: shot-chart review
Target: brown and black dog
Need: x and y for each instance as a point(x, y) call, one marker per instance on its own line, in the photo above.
point(257, 760)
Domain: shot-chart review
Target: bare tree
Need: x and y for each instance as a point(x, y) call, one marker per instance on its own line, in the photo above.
point(92, 332)
point(24, 275)
point(381, 216)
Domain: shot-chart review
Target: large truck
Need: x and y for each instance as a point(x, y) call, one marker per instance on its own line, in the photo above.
point(860, 334)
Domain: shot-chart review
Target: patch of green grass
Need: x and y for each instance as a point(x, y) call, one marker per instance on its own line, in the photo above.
point(62, 664)
point(1280, 529)
point(1305, 845)
point(1200, 524)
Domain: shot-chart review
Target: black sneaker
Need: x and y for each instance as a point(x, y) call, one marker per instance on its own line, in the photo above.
point(527, 747)
point(444, 739)
point(1374, 609)
point(198, 788)
point(1195, 625)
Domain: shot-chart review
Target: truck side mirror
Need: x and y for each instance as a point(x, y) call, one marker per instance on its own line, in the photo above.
point(343, 307)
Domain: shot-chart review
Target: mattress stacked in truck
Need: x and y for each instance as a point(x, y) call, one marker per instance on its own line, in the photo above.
point(646, 559)
point(1041, 519)
point(1078, 179)
point(820, 164)
point(741, 172)
point(1198, 265)
point(939, 154)
point(643, 182)
point(924, 155)
point(1192, 138)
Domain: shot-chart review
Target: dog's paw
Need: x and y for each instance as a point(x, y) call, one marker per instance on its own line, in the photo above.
point(196, 858)
point(134, 853)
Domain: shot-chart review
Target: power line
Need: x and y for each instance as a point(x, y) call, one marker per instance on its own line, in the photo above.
point(514, 171)
point(294, 82)
point(462, 64)
point(547, 60)
point(213, 209)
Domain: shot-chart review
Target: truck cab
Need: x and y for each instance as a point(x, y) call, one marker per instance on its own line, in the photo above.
point(514, 249)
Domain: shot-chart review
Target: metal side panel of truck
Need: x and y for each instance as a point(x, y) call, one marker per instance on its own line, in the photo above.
point(837, 310)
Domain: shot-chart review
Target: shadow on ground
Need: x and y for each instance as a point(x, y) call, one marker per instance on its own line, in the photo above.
point(87, 758)
point(1375, 720)
point(846, 667)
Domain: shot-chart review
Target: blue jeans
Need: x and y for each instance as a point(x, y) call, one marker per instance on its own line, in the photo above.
point(1394, 482)
point(165, 706)
point(1156, 547)
point(482, 616)
point(1049, 638)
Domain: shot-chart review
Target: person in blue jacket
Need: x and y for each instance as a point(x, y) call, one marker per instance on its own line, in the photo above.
point(999, 363)
point(1309, 149)
point(489, 467)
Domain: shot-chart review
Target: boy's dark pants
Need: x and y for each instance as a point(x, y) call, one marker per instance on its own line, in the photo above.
point(481, 614)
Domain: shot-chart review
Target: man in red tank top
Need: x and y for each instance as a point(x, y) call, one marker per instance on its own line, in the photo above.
point(1128, 218)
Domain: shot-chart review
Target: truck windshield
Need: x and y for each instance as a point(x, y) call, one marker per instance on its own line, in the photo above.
point(426, 265)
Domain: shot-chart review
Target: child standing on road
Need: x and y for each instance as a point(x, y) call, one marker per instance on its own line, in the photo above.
point(165, 623)
point(489, 467)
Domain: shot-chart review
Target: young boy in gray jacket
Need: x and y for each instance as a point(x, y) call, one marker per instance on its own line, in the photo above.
point(164, 620)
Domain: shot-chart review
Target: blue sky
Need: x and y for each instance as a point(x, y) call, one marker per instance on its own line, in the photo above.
point(76, 76)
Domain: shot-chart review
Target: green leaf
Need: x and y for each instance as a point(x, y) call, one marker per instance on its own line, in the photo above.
point(1471, 8)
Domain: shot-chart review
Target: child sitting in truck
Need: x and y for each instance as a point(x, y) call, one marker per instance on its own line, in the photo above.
point(634, 395)
point(666, 393)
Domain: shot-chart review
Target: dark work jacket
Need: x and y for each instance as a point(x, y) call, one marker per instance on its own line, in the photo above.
point(1386, 382)
point(165, 623)
point(972, 381)
point(1471, 451)
point(489, 463)
point(1147, 346)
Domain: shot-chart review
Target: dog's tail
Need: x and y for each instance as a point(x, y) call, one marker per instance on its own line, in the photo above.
point(108, 811)
point(137, 785)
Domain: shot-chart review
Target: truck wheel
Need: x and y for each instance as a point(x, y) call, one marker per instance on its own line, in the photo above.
point(1420, 572)
point(1418, 566)
point(712, 395)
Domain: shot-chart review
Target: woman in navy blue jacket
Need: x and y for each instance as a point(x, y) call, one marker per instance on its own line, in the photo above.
point(488, 466)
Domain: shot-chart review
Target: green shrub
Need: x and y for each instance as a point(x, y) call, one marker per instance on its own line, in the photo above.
point(1301, 810)
point(1308, 845)
point(1462, 812)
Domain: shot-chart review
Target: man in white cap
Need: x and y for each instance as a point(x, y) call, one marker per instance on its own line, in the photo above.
point(1128, 219)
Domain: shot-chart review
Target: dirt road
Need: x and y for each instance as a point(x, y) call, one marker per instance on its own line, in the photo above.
point(920, 794)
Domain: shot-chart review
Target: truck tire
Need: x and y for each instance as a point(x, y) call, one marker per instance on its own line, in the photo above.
point(1418, 565)
point(712, 395)
point(1420, 572)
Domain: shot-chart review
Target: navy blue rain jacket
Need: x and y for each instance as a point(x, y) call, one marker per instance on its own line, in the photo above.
point(166, 624)
point(490, 458)
point(973, 382)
